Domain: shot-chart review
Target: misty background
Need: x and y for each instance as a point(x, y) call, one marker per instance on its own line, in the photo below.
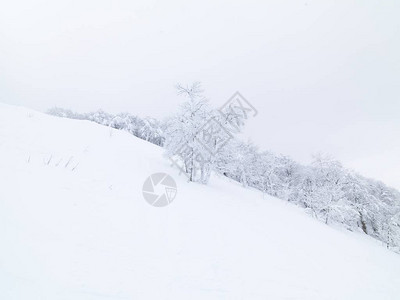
point(323, 75)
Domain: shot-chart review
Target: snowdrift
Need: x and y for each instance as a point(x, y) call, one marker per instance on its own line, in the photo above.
point(74, 225)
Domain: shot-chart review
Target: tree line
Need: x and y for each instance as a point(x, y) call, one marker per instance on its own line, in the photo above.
point(198, 140)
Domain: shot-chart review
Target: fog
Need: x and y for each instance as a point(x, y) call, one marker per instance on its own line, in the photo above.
point(323, 75)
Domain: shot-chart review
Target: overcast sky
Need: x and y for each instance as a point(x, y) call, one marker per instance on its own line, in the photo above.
point(324, 75)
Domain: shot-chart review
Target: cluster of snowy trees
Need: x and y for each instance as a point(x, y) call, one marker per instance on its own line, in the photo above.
point(196, 136)
point(148, 129)
point(324, 188)
point(199, 140)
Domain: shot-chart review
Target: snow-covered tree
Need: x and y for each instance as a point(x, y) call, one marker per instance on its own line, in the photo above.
point(181, 131)
point(198, 139)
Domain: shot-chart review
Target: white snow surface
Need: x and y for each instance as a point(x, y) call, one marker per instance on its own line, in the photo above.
point(84, 231)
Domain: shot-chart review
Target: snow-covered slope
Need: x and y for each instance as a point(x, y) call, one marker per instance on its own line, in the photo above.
point(74, 225)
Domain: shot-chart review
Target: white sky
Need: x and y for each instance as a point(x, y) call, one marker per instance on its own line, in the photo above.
point(324, 75)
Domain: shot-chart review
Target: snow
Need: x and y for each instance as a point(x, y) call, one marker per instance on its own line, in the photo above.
point(82, 229)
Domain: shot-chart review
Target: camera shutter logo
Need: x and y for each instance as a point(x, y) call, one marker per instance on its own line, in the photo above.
point(159, 189)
